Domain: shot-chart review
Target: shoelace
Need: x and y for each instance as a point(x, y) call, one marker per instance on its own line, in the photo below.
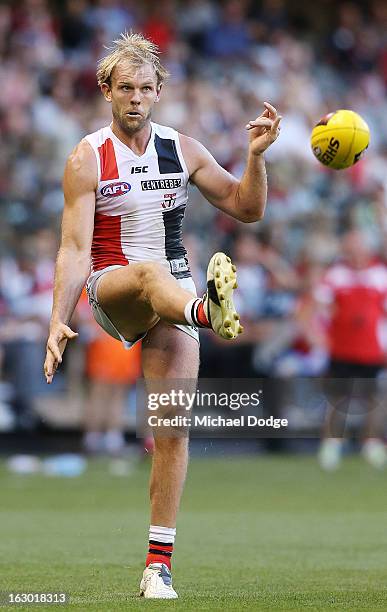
point(165, 575)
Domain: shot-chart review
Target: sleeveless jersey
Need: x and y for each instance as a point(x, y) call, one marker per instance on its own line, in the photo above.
point(140, 201)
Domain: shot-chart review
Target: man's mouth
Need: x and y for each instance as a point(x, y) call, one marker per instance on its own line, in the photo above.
point(134, 114)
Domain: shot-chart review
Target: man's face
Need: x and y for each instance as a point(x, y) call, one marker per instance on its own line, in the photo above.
point(132, 93)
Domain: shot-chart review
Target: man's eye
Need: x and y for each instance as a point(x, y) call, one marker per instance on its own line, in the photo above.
point(147, 88)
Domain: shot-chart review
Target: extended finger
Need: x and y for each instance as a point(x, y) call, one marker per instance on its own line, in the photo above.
point(54, 348)
point(51, 363)
point(271, 108)
point(49, 368)
point(49, 377)
point(259, 122)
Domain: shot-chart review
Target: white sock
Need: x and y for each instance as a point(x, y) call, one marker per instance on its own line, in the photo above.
point(190, 312)
point(165, 535)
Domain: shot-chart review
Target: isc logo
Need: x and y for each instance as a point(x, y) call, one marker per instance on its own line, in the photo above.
point(115, 189)
point(139, 169)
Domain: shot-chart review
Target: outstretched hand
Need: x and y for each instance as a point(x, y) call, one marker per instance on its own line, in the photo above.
point(264, 130)
point(56, 344)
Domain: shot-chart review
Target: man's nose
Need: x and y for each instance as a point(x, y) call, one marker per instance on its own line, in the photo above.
point(136, 97)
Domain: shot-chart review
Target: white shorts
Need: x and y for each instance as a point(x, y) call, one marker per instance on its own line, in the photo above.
point(103, 320)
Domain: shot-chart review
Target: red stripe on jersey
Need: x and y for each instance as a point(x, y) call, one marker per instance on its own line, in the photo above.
point(107, 157)
point(106, 248)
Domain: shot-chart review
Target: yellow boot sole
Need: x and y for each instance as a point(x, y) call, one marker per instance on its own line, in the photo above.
point(220, 309)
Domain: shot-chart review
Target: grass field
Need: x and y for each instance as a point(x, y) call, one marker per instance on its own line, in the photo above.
point(254, 534)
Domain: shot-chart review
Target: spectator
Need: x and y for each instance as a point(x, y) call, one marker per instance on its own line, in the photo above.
point(355, 290)
point(230, 37)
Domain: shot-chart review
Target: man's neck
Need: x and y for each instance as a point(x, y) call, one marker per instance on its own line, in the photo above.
point(138, 141)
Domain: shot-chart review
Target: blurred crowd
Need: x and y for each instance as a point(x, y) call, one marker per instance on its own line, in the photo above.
point(225, 59)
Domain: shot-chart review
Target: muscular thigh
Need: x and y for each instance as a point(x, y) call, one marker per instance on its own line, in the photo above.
point(120, 295)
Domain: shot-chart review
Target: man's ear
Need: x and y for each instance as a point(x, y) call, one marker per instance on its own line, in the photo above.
point(107, 92)
point(158, 91)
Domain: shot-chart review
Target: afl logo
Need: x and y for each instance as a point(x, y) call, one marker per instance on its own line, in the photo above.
point(115, 189)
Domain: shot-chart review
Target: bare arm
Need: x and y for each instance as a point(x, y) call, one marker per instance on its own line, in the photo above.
point(73, 261)
point(244, 200)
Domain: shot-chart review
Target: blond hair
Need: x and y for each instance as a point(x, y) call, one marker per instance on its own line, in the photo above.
point(135, 48)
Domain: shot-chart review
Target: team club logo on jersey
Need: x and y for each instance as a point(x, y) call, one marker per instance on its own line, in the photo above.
point(112, 190)
point(169, 200)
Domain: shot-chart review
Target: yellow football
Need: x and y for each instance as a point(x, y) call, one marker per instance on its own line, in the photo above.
point(339, 139)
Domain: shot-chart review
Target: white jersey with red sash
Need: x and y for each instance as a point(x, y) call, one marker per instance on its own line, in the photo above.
point(140, 201)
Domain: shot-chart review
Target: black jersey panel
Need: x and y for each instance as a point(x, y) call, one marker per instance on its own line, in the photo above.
point(167, 156)
point(174, 249)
